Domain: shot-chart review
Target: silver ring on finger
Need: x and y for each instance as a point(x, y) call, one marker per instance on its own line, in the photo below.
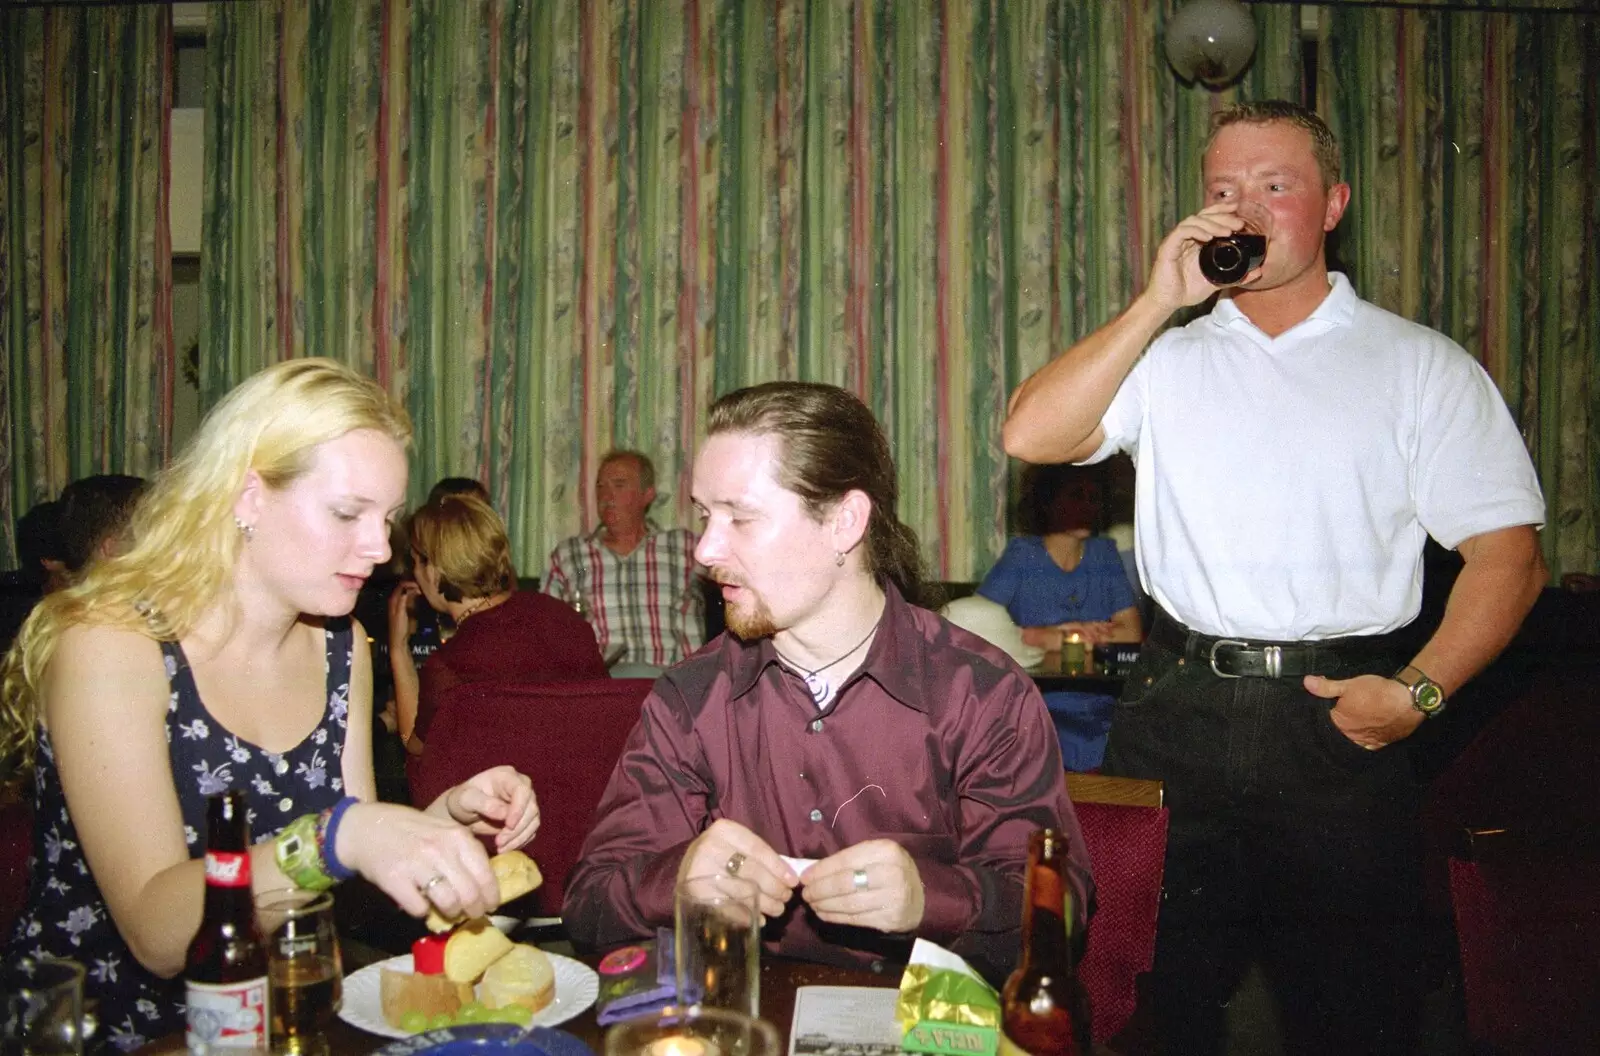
point(437, 878)
point(735, 863)
point(860, 879)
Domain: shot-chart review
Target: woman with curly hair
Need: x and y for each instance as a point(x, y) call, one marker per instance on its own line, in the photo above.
point(214, 653)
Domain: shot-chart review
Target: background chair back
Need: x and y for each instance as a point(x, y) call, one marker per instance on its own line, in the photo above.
point(16, 847)
point(566, 736)
point(1127, 849)
point(1528, 924)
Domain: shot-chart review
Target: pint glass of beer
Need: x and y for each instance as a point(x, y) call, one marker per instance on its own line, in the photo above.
point(304, 980)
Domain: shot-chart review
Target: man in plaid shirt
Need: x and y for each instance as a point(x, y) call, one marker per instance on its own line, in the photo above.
point(636, 583)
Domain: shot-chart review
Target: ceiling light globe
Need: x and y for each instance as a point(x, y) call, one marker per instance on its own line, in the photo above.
point(1211, 41)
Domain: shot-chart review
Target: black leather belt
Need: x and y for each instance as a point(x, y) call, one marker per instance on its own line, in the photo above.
point(1245, 658)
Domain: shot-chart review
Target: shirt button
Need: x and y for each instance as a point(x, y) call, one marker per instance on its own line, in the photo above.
point(816, 815)
point(816, 725)
point(282, 766)
point(285, 803)
point(877, 966)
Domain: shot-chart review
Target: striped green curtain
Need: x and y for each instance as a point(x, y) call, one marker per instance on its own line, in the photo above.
point(1471, 146)
point(556, 227)
point(86, 363)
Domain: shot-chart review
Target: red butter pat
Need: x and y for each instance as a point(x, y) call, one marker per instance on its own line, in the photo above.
point(427, 955)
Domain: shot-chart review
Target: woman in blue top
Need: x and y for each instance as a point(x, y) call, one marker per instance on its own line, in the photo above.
point(1064, 579)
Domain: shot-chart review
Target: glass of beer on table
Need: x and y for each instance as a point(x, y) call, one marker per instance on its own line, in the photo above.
point(305, 981)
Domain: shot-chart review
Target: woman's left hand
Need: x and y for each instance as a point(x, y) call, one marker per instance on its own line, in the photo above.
point(499, 802)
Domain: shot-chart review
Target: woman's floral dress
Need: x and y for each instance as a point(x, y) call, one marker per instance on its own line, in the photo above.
point(66, 915)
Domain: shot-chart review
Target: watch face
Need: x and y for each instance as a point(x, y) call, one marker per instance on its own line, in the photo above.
point(1429, 697)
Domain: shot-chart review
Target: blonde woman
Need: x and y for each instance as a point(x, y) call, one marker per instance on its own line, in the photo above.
point(214, 653)
point(462, 565)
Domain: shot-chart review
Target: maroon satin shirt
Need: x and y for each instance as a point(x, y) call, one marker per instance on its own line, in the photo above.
point(939, 742)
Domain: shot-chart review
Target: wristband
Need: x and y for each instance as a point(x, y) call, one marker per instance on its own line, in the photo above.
point(298, 857)
point(328, 837)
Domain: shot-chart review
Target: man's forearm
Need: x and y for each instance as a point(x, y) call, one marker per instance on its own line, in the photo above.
point(1501, 579)
point(1054, 414)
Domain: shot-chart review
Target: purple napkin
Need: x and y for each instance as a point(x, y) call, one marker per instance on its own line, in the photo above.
point(636, 979)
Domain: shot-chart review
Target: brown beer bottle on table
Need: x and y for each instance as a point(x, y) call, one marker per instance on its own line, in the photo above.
point(226, 967)
point(1045, 1010)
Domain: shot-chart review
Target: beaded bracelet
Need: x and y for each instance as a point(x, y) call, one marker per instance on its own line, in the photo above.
point(298, 855)
point(327, 839)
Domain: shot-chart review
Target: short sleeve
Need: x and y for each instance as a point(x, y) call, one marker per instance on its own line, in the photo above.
point(1472, 473)
point(1001, 583)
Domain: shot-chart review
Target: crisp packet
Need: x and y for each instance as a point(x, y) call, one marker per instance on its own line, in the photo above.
point(945, 1007)
point(636, 979)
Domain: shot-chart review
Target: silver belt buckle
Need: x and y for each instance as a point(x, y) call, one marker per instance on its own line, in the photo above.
point(1218, 644)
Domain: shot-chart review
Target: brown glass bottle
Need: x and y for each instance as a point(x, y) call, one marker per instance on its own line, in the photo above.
point(1045, 1010)
point(226, 967)
point(1226, 261)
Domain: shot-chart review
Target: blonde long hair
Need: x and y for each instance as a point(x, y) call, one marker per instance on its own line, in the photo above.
point(183, 540)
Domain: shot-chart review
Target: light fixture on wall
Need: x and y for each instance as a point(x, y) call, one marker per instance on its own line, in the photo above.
point(1211, 41)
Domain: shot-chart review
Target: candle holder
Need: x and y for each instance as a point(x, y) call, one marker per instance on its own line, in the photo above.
point(1073, 654)
point(680, 1031)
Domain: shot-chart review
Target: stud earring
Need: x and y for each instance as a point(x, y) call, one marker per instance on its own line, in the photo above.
point(246, 530)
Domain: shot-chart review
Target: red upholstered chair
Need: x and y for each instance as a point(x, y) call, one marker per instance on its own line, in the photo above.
point(1125, 829)
point(566, 736)
point(1528, 922)
point(16, 845)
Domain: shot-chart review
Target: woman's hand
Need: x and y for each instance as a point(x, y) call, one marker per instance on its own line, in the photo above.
point(498, 802)
point(1093, 632)
point(418, 859)
point(1046, 638)
point(402, 604)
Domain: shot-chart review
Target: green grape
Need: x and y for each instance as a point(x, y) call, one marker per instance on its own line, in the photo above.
point(521, 1015)
point(440, 1020)
point(414, 1022)
point(472, 1012)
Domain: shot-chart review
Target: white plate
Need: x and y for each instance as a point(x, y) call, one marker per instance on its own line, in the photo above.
point(577, 986)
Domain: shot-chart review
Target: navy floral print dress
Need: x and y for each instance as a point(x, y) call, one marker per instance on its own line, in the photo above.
point(66, 916)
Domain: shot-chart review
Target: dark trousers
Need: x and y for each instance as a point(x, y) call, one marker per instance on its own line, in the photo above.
point(1289, 846)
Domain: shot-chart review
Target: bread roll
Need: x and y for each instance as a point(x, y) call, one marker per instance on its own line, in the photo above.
point(473, 947)
point(514, 873)
point(522, 976)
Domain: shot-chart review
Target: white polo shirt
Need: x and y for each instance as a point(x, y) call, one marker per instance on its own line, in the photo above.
point(1286, 485)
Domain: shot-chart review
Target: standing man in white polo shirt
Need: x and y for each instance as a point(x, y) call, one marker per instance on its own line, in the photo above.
point(1294, 449)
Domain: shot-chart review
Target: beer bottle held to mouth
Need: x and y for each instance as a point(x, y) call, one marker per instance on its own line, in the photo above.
point(225, 971)
point(1044, 1008)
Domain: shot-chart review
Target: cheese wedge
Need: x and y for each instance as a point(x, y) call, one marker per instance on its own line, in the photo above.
point(471, 948)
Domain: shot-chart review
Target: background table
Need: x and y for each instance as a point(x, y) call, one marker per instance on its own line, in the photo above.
point(1051, 677)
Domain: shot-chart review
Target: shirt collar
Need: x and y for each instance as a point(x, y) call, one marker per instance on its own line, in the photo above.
point(1338, 308)
point(650, 528)
point(896, 657)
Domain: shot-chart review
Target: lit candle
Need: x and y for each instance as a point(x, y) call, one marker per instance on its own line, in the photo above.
point(677, 1046)
point(1072, 652)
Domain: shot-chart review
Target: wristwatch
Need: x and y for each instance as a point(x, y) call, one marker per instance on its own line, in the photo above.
point(1426, 696)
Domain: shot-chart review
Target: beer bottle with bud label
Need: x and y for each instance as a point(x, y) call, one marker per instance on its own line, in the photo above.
point(226, 968)
point(1045, 1010)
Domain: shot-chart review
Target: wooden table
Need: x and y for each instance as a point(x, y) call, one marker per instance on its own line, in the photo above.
point(780, 978)
point(1051, 676)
